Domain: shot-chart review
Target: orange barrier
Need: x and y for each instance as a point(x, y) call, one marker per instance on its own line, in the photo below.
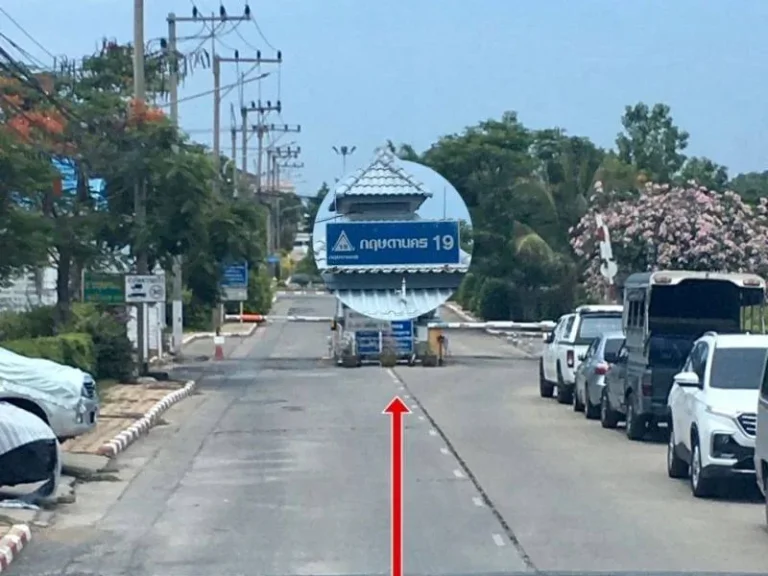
point(258, 318)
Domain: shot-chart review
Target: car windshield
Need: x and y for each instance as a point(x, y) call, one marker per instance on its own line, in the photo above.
point(593, 325)
point(737, 368)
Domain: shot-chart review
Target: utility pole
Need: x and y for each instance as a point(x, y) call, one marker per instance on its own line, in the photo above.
point(176, 271)
point(260, 129)
point(233, 132)
point(139, 190)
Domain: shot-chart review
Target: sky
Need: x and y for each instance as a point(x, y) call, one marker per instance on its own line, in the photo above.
point(359, 72)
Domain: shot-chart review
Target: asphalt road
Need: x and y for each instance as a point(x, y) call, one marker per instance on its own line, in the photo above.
point(281, 467)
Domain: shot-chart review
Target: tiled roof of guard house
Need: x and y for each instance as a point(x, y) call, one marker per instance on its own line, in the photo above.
point(383, 177)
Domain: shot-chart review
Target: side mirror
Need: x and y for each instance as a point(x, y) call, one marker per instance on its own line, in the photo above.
point(549, 337)
point(687, 380)
point(582, 357)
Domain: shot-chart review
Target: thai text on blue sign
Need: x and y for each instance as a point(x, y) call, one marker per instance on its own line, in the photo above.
point(402, 333)
point(368, 342)
point(392, 243)
point(235, 276)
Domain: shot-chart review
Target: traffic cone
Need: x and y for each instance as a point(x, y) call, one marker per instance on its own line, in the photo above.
point(218, 350)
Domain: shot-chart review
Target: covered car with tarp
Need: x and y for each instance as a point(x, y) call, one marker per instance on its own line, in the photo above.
point(29, 452)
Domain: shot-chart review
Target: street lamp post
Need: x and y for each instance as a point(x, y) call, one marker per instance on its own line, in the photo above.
point(344, 151)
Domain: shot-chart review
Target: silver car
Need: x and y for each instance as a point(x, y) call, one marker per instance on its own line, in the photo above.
point(591, 373)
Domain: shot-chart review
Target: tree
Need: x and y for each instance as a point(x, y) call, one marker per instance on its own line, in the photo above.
point(313, 204)
point(652, 142)
point(751, 186)
point(665, 227)
point(704, 172)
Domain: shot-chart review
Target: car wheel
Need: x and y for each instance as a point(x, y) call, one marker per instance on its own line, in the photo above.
point(701, 487)
point(578, 405)
point(564, 394)
point(635, 424)
point(608, 416)
point(591, 411)
point(546, 390)
point(676, 466)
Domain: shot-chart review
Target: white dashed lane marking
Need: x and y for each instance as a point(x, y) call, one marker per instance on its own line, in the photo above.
point(477, 501)
point(458, 473)
point(499, 540)
point(445, 451)
point(422, 418)
point(433, 432)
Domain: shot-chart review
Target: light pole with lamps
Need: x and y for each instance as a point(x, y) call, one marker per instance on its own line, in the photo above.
point(344, 151)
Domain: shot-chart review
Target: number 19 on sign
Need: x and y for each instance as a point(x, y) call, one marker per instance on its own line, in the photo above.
point(444, 242)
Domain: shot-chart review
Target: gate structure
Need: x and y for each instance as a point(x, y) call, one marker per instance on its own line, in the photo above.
point(391, 250)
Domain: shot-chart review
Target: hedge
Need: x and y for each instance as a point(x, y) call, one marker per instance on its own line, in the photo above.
point(75, 349)
point(95, 339)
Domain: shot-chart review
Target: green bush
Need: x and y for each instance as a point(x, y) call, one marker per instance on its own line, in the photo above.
point(494, 300)
point(95, 339)
point(469, 286)
point(259, 293)
point(113, 350)
point(35, 323)
point(69, 349)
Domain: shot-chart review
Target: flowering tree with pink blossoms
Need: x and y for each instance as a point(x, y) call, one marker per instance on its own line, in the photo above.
point(683, 228)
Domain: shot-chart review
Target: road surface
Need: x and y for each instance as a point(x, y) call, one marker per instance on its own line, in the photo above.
point(281, 467)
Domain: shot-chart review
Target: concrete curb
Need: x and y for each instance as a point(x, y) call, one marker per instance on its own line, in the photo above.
point(136, 430)
point(12, 543)
point(461, 313)
point(189, 338)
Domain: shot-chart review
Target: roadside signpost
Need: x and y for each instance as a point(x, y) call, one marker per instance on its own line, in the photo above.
point(393, 243)
point(234, 282)
point(144, 288)
point(104, 287)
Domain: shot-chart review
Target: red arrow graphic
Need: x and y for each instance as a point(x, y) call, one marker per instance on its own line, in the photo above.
point(397, 408)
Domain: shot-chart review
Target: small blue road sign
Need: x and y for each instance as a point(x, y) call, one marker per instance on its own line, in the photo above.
point(368, 343)
point(235, 276)
point(392, 243)
point(402, 332)
point(273, 259)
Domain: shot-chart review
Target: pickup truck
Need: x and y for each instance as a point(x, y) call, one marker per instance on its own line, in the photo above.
point(569, 341)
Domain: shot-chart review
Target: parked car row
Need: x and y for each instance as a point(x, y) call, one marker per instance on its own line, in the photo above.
point(677, 355)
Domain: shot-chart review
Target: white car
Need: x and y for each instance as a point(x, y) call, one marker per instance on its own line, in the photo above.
point(65, 398)
point(712, 410)
point(570, 339)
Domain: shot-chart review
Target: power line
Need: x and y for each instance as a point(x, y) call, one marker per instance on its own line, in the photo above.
point(258, 29)
point(27, 34)
point(23, 52)
point(209, 92)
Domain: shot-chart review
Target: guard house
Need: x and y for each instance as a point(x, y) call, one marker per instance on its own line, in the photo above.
point(379, 257)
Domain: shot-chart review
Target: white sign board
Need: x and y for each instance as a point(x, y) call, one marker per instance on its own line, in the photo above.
point(356, 322)
point(146, 289)
point(231, 294)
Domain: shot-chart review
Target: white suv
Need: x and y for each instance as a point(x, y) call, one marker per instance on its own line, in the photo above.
point(570, 339)
point(712, 408)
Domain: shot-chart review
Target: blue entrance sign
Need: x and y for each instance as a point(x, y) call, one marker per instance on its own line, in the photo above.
point(235, 276)
point(392, 243)
point(402, 332)
point(368, 343)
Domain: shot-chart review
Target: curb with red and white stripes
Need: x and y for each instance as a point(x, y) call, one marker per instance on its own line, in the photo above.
point(136, 430)
point(12, 543)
